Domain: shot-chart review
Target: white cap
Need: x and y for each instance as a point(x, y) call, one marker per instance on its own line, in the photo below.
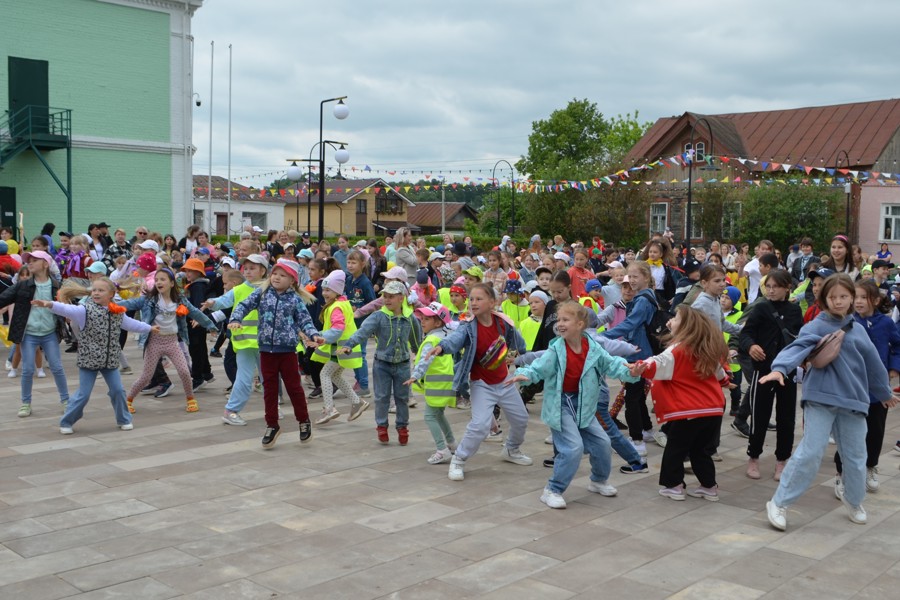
point(531, 285)
point(149, 245)
point(360, 244)
point(227, 260)
point(561, 256)
point(435, 256)
point(257, 229)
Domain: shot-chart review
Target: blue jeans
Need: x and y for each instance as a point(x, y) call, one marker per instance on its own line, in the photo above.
point(620, 444)
point(361, 374)
point(50, 345)
point(247, 361)
point(572, 442)
point(79, 400)
point(389, 378)
point(820, 420)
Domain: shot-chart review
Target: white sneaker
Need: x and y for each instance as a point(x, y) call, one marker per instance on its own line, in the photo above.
point(649, 435)
point(66, 430)
point(41, 374)
point(838, 488)
point(233, 418)
point(552, 499)
point(8, 365)
point(549, 440)
point(641, 448)
point(12, 374)
point(602, 487)
point(857, 514)
point(872, 479)
point(127, 427)
point(328, 415)
point(831, 440)
point(660, 438)
point(495, 437)
point(457, 469)
point(777, 515)
point(440, 457)
point(515, 456)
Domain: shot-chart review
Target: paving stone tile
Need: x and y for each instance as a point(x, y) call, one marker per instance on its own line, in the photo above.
point(161, 519)
point(48, 587)
point(771, 569)
point(68, 538)
point(48, 564)
point(431, 589)
point(531, 589)
point(37, 509)
point(489, 542)
point(315, 570)
point(20, 529)
point(619, 587)
point(127, 569)
point(568, 543)
point(148, 541)
point(87, 472)
point(406, 517)
point(500, 570)
point(144, 588)
point(244, 539)
point(45, 492)
point(240, 589)
point(95, 514)
point(715, 588)
point(678, 569)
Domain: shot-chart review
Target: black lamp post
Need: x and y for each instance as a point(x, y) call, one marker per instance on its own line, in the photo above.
point(847, 189)
point(340, 112)
point(512, 176)
point(687, 233)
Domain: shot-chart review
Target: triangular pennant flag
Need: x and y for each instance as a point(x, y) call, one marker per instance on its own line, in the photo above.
point(764, 165)
point(808, 170)
point(786, 167)
point(737, 179)
point(776, 166)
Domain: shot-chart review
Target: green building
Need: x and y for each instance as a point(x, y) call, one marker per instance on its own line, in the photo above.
point(97, 101)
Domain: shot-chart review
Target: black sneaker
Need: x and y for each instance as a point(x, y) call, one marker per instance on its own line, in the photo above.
point(163, 390)
point(209, 379)
point(548, 462)
point(198, 385)
point(271, 435)
point(741, 428)
point(771, 426)
point(215, 354)
point(634, 469)
point(316, 393)
point(72, 349)
point(305, 431)
point(150, 389)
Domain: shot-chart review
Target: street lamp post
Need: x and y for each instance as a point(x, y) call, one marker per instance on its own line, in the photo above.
point(340, 112)
point(341, 156)
point(687, 233)
point(512, 176)
point(848, 188)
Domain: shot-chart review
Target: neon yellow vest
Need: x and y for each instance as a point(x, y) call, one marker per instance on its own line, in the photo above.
point(529, 328)
point(733, 318)
point(326, 352)
point(438, 380)
point(590, 303)
point(516, 312)
point(248, 335)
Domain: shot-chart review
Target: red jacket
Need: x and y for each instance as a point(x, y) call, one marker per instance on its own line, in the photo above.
point(678, 392)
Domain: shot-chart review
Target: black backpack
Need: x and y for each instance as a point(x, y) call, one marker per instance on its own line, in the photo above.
point(657, 327)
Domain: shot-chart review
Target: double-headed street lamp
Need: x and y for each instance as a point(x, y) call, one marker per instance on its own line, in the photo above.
point(294, 173)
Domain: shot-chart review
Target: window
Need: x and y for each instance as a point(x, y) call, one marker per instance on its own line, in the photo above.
point(255, 219)
point(731, 217)
point(696, 212)
point(391, 205)
point(701, 150)
point(199, 217)
point(658, 214)
point(891, 214)
point(361, 206)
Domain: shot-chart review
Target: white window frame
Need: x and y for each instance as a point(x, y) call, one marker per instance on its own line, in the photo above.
point(258, 219)
point(700, 154)
point(890, 217)
point(696, 209)
point(655, 218)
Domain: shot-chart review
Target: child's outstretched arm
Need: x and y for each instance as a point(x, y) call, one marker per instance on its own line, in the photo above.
point(614, 347)
point(421, 367)
point(538, 370)
point(369, 308)
point(365, 331)
point(304, 320)
point(198, 317)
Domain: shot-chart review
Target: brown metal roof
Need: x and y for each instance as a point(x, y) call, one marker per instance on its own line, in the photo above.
point(812, 136)
point(219, 186)
point(340, 191)
point(428, 214)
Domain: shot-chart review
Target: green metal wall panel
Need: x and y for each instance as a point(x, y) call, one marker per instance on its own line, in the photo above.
point(126, 189)
point(108, 63)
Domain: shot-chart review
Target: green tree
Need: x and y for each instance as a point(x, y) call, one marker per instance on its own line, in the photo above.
point(785, 213)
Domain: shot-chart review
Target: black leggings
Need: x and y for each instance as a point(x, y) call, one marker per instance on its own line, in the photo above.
point(636, 414)
point(762, 397)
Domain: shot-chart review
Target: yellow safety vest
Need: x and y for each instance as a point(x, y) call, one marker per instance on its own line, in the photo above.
point(590, 303)
point(248, 335)
point(733, 318)
point(438, 380)
point(444, 298)
point(516, 312)
point(529, 328)
point(326, 352)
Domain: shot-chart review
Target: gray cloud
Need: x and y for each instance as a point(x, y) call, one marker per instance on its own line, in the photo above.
point(456, 85)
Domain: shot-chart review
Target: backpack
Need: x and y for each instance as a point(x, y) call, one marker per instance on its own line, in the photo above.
point(657, 327)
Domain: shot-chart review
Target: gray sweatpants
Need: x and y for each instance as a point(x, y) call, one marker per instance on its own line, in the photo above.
point(484, 398)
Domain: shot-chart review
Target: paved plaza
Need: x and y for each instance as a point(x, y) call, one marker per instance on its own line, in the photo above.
point(184, 506)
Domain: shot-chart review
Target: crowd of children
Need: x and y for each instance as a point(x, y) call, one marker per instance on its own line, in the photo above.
point(689, 330)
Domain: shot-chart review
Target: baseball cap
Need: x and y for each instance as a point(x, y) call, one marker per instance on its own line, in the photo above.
point(257, 229)
point(97, 267)
point(691, 265)
point(149, 245)
point(305, 234)
point(877, 264)
point(398, 273)
point(591, 285)
point(306, 253)
point(360, 244)
point(435, 256)
point(227, 260)
point(561, 256)
point(39, 254)
point(435, 309)
point(823, 273)
point(203, 251)
point(475, 272)
point(394, 287)
point(256, 258)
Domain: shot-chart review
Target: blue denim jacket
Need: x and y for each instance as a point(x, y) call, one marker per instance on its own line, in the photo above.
point(466, 336)
point(150, 308)
point(281, 318)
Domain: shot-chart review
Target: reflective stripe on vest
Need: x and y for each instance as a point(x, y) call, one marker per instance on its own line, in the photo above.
point(248, 334)
point(438, 381)
point(326, 352)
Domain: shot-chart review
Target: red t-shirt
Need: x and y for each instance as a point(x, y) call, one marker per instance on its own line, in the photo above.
point(574, 367)
point(485, 337)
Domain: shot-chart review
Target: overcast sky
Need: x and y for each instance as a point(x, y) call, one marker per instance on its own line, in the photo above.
point(454, 86)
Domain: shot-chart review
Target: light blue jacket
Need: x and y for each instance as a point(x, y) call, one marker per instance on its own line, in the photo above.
point(466, 336)
point(634, 328)
point(551, 368)
point(849, 379)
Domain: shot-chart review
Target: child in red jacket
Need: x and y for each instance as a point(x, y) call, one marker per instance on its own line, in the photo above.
point(687, 393)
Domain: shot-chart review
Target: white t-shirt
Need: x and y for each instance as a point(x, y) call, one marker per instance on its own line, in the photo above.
point(166, 317)
point(754, 277)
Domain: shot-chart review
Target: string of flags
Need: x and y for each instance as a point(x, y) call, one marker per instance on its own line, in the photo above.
point(759, 173)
